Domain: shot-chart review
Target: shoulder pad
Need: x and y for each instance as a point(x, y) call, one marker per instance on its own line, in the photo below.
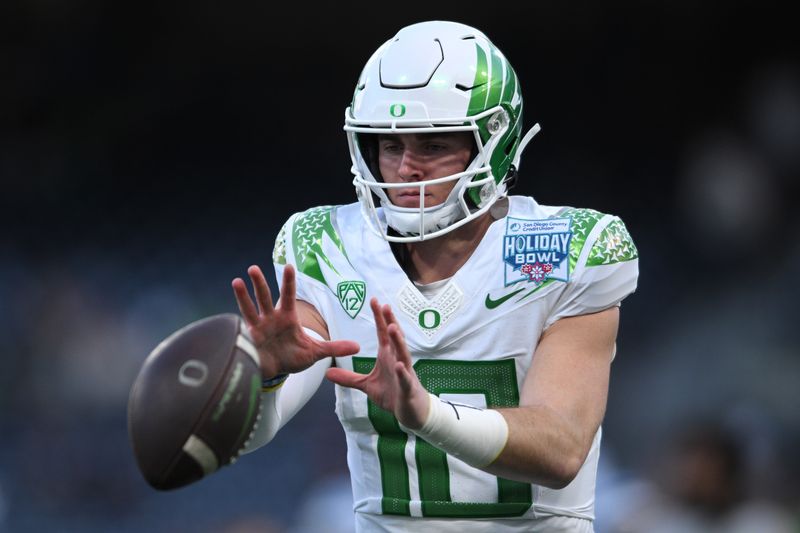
point(614, 245)
point(583, 222)
point(279, 251)
point(308, 230)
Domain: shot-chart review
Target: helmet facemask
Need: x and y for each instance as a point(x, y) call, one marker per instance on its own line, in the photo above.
point(468, 92)
point(474, 191)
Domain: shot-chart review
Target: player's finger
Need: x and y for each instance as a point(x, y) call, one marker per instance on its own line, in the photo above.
point(398, 342)
point(346, 378)
point(288, 289)
point(263, 296)
point(380, 322)
point(403, 377)
point(246, 306)
point(339, 348)
point(388, 315)
point(399, 338)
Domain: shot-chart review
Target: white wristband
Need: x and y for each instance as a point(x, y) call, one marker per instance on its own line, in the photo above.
point(476, 436)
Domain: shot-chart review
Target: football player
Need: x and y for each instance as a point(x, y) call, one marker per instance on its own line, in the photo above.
point(469, 333)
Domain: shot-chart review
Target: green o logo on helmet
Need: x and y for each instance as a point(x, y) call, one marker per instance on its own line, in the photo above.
point(397, 110)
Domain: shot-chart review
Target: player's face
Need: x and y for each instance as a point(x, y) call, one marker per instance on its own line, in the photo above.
point(415, 157)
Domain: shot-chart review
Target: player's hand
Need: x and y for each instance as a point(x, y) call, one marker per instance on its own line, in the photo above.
point(283, 347)
point(393, 385)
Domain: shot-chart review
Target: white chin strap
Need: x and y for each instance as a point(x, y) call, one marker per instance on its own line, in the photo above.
point(435, 218)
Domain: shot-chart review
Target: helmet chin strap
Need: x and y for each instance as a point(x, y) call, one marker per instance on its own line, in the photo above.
point(524, 142)
point(408, 223)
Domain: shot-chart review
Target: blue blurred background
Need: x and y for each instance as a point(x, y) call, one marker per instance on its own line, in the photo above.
point(149, 153)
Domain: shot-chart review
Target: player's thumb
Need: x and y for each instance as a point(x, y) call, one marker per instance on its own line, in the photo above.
point(340, 348)
point(345, 378)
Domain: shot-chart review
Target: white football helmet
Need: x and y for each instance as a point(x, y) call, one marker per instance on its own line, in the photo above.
point(436, 76)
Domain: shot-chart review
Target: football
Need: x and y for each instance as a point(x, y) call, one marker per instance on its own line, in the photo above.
point(195, 402)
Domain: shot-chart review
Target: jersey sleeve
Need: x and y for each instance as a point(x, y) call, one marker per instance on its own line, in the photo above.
point(284, 253)
point(606, 266)
point(310, 242)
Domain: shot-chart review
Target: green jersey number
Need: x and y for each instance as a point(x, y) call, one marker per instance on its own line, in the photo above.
point(497, 381)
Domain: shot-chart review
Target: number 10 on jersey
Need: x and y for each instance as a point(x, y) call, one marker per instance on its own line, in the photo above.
point(497, 381)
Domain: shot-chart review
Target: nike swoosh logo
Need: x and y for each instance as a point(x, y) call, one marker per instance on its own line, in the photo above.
point(491, 304)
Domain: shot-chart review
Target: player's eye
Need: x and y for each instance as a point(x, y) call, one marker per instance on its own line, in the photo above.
point(391, 148)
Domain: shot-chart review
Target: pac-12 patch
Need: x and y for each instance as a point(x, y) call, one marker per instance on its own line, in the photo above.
point(536, 250)
point(351, 295)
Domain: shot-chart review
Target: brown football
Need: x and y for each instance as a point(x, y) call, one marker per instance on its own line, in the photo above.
point(195, 402)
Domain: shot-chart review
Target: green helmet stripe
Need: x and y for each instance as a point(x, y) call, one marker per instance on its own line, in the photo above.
point(496, 80)
point(478, 97)
point(511, 84)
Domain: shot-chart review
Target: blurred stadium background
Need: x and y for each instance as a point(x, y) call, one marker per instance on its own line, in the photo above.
point(149, 152)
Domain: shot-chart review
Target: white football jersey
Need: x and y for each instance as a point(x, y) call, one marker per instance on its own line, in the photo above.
point(472, 341)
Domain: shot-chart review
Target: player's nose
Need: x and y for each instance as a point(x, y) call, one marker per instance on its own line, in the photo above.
point(410, 168)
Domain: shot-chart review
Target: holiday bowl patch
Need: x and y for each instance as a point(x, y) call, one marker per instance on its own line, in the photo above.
point(536, 250)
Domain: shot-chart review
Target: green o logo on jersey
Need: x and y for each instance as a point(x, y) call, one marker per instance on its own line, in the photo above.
point(429, 319)
point(397, 110)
